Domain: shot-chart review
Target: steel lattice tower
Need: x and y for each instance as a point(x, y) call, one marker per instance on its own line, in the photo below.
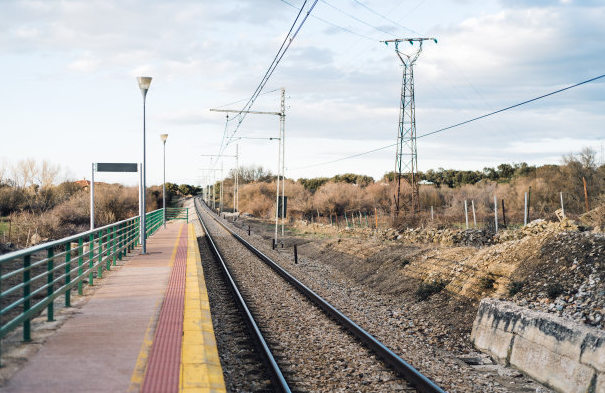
point(406, 158)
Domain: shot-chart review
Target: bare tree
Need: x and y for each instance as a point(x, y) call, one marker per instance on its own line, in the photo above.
point(47, 174)
point(3, 172)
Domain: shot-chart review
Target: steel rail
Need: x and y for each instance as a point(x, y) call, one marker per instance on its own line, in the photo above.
point(418, 380)
point(274, 369)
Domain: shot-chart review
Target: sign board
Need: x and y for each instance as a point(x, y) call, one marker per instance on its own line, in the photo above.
point(279, 208)
point(116, 167)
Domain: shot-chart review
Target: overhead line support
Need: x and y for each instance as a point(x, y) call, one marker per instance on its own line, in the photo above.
point(406, 165)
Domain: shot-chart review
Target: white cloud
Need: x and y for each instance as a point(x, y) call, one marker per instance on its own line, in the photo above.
point(86, 63)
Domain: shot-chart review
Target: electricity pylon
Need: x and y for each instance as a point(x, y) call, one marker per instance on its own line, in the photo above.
point(407, 168)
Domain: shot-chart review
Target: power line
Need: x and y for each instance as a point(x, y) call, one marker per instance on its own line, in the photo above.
point(344, 158)
point(280, 54)
point(333, 24)
point(356, 18)
point(245, 99)
point(512, 106)
point(385, 18)
point(458, 124)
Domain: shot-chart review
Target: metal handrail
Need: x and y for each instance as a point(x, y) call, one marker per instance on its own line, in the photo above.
point(77, 258)
point(175, 213)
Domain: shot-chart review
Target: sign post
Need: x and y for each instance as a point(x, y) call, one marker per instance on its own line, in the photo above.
point(105, 167)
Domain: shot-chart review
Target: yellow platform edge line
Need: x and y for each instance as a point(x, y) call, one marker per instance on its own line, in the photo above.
point(138, 374)
point(201, 369)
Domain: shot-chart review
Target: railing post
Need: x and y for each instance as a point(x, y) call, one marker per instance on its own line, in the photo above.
point(115, 244)
point(50, 264)
point(27, 336)
point(124, 239)
point(128, 237)
point(100, 255)
point(109, 247)
point(91, 257)
point(187, 215)
point(67, 273)
point(80, 262)
point(120, 241)
point(137, 232)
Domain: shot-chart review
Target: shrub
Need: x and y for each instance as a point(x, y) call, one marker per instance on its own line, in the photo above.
point(487, 282)
point(426, 289)
point(514, 287)
point(554, 289)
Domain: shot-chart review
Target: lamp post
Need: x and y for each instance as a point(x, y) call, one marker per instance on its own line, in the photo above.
point(163, 137)
point(144, 82)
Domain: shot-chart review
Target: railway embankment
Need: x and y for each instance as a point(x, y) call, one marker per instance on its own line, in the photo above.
point(435, 279)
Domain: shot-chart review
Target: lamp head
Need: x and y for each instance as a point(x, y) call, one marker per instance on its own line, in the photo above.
point(144, 82)
point(163, 137)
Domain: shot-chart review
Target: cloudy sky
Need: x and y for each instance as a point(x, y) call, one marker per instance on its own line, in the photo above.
point(68, 91)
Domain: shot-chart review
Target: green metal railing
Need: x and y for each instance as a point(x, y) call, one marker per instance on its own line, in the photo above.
point(33, 278)
point(175, 213)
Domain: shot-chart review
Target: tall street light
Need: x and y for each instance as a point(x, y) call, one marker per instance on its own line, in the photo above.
point(144, 82)
point(163, 137)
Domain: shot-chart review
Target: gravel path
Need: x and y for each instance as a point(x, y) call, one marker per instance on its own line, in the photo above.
point(315, 354)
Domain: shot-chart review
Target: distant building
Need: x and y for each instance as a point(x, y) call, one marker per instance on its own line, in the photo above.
point(83, 183)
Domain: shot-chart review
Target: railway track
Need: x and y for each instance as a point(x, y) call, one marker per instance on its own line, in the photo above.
point(308, 344)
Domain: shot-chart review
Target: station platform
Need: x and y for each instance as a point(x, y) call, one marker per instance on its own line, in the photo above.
point(147, 328)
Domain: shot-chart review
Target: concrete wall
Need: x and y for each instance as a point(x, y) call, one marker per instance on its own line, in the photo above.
point(564, 355)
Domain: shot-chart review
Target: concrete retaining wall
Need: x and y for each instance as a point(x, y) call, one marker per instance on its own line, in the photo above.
point(564, 355)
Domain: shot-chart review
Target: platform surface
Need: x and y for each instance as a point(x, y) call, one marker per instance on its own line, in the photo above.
point(107, 345)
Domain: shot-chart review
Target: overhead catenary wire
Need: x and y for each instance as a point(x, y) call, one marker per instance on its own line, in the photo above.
point(292, 33)
point(245, 99)
point(333, 24)
point(387, 19)
point(357, 19)
point(457, 124)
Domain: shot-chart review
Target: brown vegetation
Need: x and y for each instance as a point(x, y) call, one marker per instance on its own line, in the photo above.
point(38, 208)
point(321, 199)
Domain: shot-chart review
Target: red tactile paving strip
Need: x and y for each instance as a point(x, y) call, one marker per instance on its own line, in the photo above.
point(163, 366)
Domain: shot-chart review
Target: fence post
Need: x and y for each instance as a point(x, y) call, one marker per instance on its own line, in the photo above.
point(121, 241)
point(91, 257)
point(562, 207)
point(496, 212)
point(346, 219)
point(26, 291)
point(80, 262)
point(528, 202)
point(585, 194)
point(432, 214)
point(295, 254)
point(375, 217)
point(503, 215)
point(525, 211)
point(465, 212)
point(100, 255)
point(50, 264)
point(115, 244)
point(474, 217)
point(68, 273)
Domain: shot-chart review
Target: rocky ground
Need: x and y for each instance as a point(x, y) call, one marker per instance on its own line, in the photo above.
point(441, 275)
